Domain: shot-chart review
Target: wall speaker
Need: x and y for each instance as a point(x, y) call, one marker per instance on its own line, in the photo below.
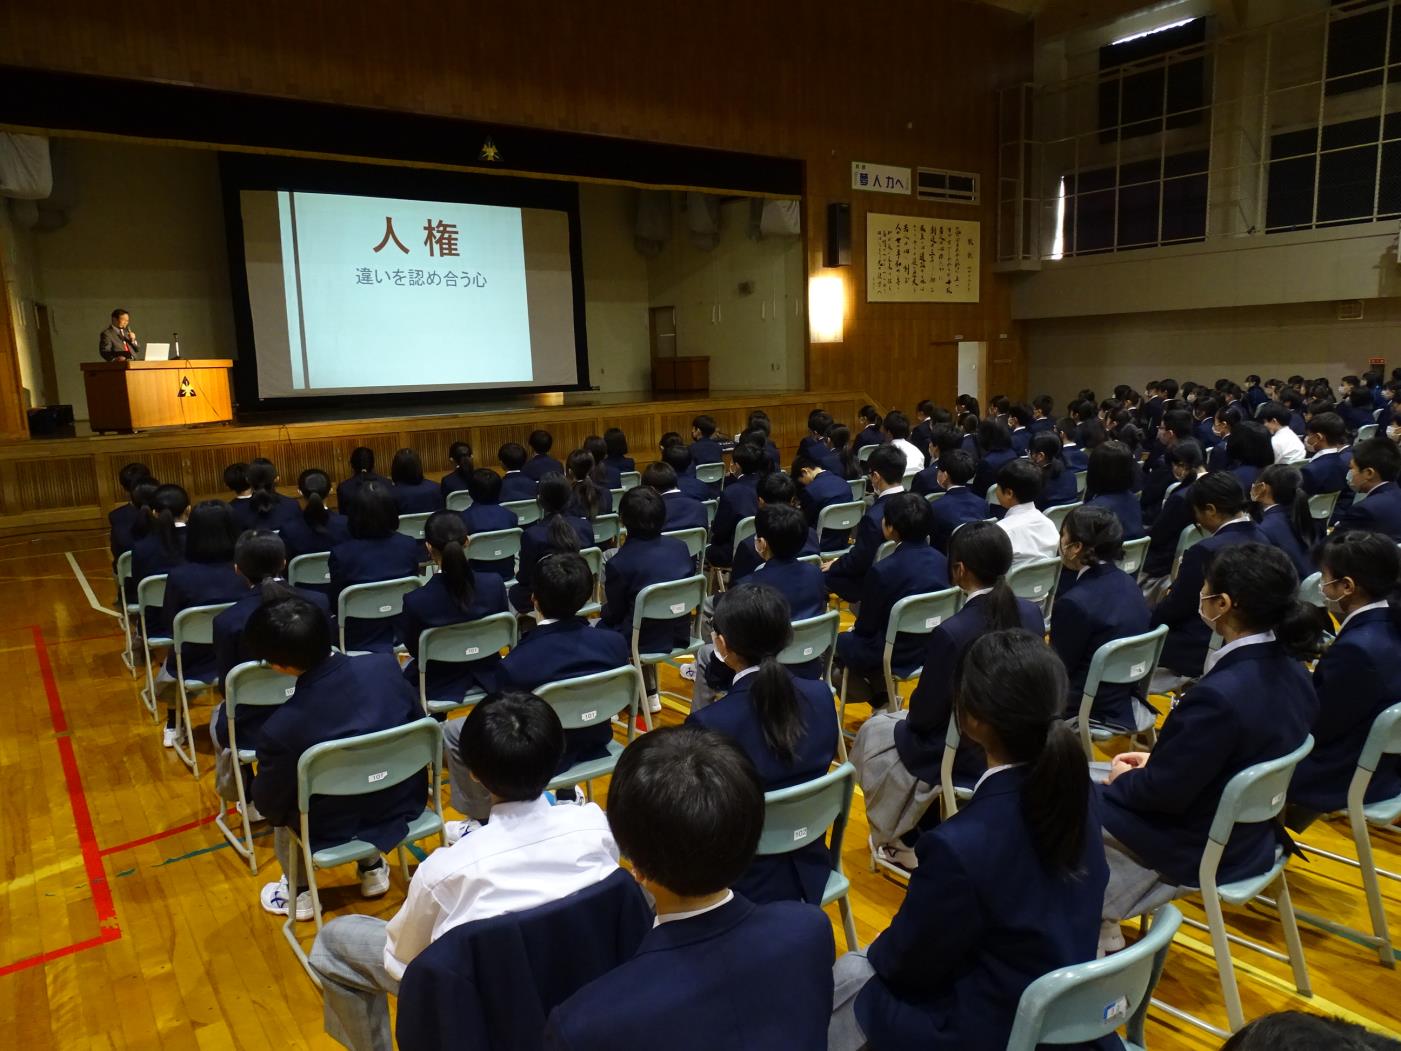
point(837, 250)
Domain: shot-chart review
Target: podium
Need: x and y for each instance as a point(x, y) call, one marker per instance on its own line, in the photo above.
point(140, 395)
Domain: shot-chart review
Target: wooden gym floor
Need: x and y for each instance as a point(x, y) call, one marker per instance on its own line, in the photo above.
point(128, 923)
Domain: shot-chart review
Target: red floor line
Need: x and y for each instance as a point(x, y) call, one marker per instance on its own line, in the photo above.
point(156, 836)
point(109, 934)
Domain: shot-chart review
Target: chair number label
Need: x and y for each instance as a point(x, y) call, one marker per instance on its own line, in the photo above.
point(800, 834)
point(932, 622)
point(386, 609)
point(1118, 1009)
point(472, 651)
point(1139, 670)
point(1038, 589)
point(1277, 800)
point(807, 651)
point(290, 690)
point(377, 777)
point(327, 576)
point(588, 717)
point(678, 608)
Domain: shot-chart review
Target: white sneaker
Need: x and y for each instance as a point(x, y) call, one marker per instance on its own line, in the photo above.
point(1111, 938)
point(688, 671)
point(457, 829)
point(897, 854)
point(274, 898)
point(654, 703)
point(254, 815)
point(170, 736)
point(374, 882)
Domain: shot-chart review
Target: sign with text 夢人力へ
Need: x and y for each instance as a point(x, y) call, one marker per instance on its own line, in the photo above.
point(880, 178)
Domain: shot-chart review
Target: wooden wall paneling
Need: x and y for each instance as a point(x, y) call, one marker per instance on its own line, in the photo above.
point(206, 471)
point(49, 484)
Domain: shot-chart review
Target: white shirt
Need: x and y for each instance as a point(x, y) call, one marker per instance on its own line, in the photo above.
point(528, 854)
point(1287, 446)
point(913, 457)
point(1362, 609)
point(673, 917)
point(1215, 656)
point(1033, 535)
point(993, 770)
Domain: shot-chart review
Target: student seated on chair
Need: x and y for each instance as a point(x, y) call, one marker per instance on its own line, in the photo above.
point(515, 483)
point(913, 568)
point(1098, 604)
point(943, 439)
point(1326, 469)
point(923, 427)
point(959, 504)
point(414, 494)
point(678, 458)
point(704, 448)
point(456, 594)
point(362, 472)
point(786, 725)
point(486, 515)
point(1043, 408)
point(317, 528)
point(759, 423)
point(820, 488)
point(121, 519)
point(1019, 418)
point(647, 558)
point(1185, 460)
point(1057, 481)
point(897, 754)
point(531, 853)
point(1285, 519)
point(1253, 703)
point(1001, 895)
point(871, 433)
point(1033, 535)
point(375, 551)
point(265, 507)
point(589, 494)
point(845, 576)
point(1287, 446)
point(557, 530)
point(236, 481)
point(455, 481)
point(128, 529)
point(779, 536)
point(897, 430)
point(618, 458)
point(814, 445)
point(1219, 506)
point(739, 500)
point(682, 511)
point(1376, 463)
point(1109, 484)
point(839, 438)
point(1355, 677)
point(562, 646)
point(335, 697)
point(1075, 457)
point(717, 971)
point(774, 488)
point(542, 463)
point(993, 451)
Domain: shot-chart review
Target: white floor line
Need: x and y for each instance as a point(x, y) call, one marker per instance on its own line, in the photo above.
point(87, 588)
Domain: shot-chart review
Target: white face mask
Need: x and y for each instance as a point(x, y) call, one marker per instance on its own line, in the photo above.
point(1210, 622)
point(1333, 605)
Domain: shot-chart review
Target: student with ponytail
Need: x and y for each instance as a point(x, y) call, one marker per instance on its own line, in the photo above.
point(1254, 702)
point(785, 725)
point(460, 456)
point(871, 433)
point(160, 545)
point(267, 508)
point(556, 531)
point(1356, 676)
point(897, 754)
point(413, 494)
point(317, 528)
point(362, 472)
point(1057, 483)
point(1285, 520)
point(375, 551)
point(1004, 893)
point(454, 595)
point(589, 496)
point(604, 475)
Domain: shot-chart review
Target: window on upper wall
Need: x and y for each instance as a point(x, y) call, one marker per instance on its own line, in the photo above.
point(1358, 41)
point(1148, 203)
point(1358, 177)
point(1167, 93)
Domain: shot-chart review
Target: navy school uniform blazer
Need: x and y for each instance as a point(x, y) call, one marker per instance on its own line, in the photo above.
point(540, 465)
point(845, 578)
point(1205, 432)
point(345, 492)
point(802, 874)
point(120, 523)
point(340, 697)
point(683, 512)
point(488, 518)
point(566, 649)
point(230, 652)
point(919, 737)
point(620, 463)
point(1188, 638)
point(693, 487)
point(740, 500)
point(1075, 457)
point(1326, 472)
point(988, 467)
point(1104, 604)
point(927, 480)
point(1021, 440)
point(300, 539)
point(920, 436)
point(908, 570)
point(705, 450)
point(827, 488)
point(149, 558)
point(639, 562)
point(1246, 474)
point(198, 584)
point(1275, 524)
point(958, 505)
point(1380, 512)
point(1061, 489)
point(1126, 508)
point(603, 501)
point(747, 560)
point(279, 514)
point(1355, 680)
point(742, 977)
point(427, 495)
point(432, 607)
point(366, 561)
point(868, 436)
point(802, 584)
point(1256, 704)
point(1354, 417)
point(535, 545)
point(1041, 424)
point(518, 485)
point(1175, 516)
point(452, 482)
point(983, 918)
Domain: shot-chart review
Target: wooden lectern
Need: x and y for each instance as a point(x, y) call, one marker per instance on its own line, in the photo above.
point(139, 395)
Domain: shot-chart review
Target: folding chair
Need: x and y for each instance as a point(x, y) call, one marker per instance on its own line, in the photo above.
point(1311, 590)
point(378, 600)
point(252, 684)
point(1060, 513)
point(992, 496)
point(605, 528)
point(841, 518)
point(594, 557)
point(811, 639)
point(464, 643)
point(744, 529)
point(314, 569)
point(125, 610)
point(1122, 661)
point(192, 626)
point(1085, 1001)
point(1384, 739)
point(886, 549)
point(1321, 506)
point(710, 473)
point(629, 479)
point(949, 792)
point(150, 592)
point(1367, 430)
point(356, 766)
point(909, 476)
point(527, 511)
point(1135, 552)
point(711, 506)
point(495, 545)
point(1253, 795)
point(695, 539)
point(864, 453)
point(796, 816)
point(1189, 536)
point(412, 525)
point(858, 486)
point(586, 701)
point(664, 601)
point(932, 497)
point(1036, 581)
point(1080, 479)
point(459, 500)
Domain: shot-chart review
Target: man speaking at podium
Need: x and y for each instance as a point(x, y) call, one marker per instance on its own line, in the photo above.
point(117, 342)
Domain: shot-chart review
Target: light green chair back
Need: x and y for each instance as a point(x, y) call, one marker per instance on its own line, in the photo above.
point(314, 568)
point(1311, 590)
point(991, 496)
point(459, 500)
point(914, 615)
point(839, 518)
point(886, 549)
point(494, 545)
point(195, 624)
point(1080, 480)
point(694, 539)
point(909, 475)
point(1367, 430)
point(864, 453)
point(711, 507)
point(594, 557)
point(593, 700)
point(710, 473)
point(253, 684)
point(123, 574)
point(1135, 551)
point(378, 600)
point(858, 485)
point(1122, 661)
point(605, 528)
point(667, 601)
point(526, 511)
point(744, 529)
point(1383, 739)
point(1060, 513)
point(150, 592)
point(1253, 795)
point(935, 497)
point(1321, 506)
point(464, 643)
point(1086, 1001)
point(629, 479)
point(1189, 536)
point(412, 525)
point(1036, 581)
point(812, 638)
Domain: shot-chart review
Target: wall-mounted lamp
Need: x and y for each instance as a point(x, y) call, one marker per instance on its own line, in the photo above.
point(826, 308)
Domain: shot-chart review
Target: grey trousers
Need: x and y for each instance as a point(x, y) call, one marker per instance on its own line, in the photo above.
point(348, 956)
point(1133, 888)
point(702, 693)
point(850, 974)
point(468, 795)
point(223, 764)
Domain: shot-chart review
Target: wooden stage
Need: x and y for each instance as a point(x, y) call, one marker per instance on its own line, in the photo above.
point(129, 924)
point(65, 483)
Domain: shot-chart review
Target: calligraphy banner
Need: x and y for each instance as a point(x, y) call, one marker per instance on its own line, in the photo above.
point(913, 259)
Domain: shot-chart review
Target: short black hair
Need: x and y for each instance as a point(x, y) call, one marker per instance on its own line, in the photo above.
point(783, 527)
point(777, 488)
point(512, 743)
point(1110, 469)
point(211, 533)
point(561, 583)
point(511, 455)
point(659, 476)
point(260, 554)
point(484, 486)
point(908, 514)
point(1023, 413)
point(362, 459)
point(748, 458)
point(374, 514)
point(289, 631)
point(686, 806)
point(1380, 454)
point(236, 478)
point(1045, 403)
point(704, 424)
point(677, 456)
point(897, 424)
point(819, 421)
point(1298, 1031)
point(406, 468)
point(643, 512)
point(616, 441)
point(1022, 479)
point(119, 311)
point(133, 474)
point(888, 462)
point(540, 441)
point(959, 466)
point(1178, 422)
point(1274, 411)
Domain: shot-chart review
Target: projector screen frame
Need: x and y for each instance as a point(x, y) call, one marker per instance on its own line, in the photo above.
point(239, 171)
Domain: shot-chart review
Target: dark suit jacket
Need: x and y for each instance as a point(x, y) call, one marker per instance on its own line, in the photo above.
point(432, 607)
point(1021, 441)
point(801, 583)
point(1275, 524)
point(340, 697)
point(620, 463)
point(868, 436)
point(489, 518)
point(638, 563)
point(958, 505)
point(846, 577)
point(826, 489)
point(1103, 605)
point(535, 545)
point(120, 522)
point(450, 483)
point(683, 512)
point(927, 480)
point(364, 562)
point(1380, 512)
point(988, 467)
point(740, 500)
point(427, 495)
point(693, 487)
point(910, 569)
point(540, 465)
point(1326, 472)
point(742, 977)
point(705, 450)
point(345, 492)
point(199, 584)
point(115, 345)
point(281, 512)
point(1256, 704)
point(1355, 682)
point(149, 558)
point(1075, 457)
point(1126, 508)
point(301, 539)
point(492, 983)
point(1061, 489)
point(518, 485)
point(747, 560)
point(1174, 517)
point(983, 918)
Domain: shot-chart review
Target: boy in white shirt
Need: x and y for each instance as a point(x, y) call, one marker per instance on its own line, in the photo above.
point(1033, 535)
point(1285, 443)
point(528, 854)
point(897, 425)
